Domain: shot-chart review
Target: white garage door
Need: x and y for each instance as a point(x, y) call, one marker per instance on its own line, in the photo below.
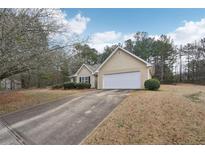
point(129, 80)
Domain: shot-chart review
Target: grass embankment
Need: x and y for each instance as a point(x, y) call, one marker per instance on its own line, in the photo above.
point(15, 100)
point(172, 115)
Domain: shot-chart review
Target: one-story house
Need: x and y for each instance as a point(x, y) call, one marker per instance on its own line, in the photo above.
point(121, 70)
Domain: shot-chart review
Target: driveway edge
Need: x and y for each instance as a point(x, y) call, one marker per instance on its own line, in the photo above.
point(44, 103)
point(81, 143)
point(10, 132)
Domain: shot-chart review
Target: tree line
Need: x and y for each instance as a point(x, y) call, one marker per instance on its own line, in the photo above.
point(29, 53)
point(172, 63)
point(192, 62)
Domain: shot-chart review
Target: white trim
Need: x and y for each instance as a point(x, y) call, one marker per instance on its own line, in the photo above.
point(84, 79)
point(81, 68)
point(131, 54)
point(71, 76)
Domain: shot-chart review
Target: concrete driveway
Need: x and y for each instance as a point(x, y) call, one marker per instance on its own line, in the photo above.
point(67, 121)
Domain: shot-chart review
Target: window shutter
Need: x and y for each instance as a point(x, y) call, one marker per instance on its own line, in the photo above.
point(89, 79)
point(80, 79)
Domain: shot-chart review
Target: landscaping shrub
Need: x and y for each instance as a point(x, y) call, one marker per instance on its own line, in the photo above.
point(152, 84)
point(83, 85)
point(57, 86)
point(69, 85)
point(73, 85)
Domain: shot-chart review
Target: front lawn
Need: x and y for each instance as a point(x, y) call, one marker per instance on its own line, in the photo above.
point(15, 100)
point(172, 115)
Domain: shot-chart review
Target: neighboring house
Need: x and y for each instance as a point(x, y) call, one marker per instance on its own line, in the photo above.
point(121, 70)
point(10, 84)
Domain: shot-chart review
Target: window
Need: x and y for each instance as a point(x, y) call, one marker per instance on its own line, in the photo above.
point(85, 79)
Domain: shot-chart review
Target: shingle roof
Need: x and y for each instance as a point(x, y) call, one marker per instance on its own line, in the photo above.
point(93, 67)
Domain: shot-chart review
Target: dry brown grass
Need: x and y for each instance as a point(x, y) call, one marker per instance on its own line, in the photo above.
point(14, 100)
point(168, 116)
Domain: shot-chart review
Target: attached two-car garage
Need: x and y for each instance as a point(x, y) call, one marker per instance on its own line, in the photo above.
point(130, 80)
point(123, 70)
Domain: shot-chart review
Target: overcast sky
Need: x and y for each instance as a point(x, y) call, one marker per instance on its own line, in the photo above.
point(110, 26)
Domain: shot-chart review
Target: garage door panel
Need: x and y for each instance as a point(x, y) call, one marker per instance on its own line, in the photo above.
point(129, 80)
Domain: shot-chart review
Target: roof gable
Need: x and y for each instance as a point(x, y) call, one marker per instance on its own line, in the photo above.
point(84, 65)
point(129, 53)
point(93, 67)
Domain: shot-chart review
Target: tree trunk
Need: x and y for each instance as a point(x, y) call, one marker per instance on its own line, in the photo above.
point(193, 73)
point(188, 77)
point(180, 65)
point(162, 69)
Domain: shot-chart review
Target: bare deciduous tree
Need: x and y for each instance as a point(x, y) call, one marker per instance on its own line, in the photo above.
point(26, 40)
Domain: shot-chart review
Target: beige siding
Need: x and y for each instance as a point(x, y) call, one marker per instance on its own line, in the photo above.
point(85, 72)
point(123, 62)
point(149, 73)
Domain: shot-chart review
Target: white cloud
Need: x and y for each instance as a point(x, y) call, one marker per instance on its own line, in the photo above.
point(78, 24)
point(100, 40)
point(129, 36)
point(70, 27)
point(189, 32)
point(105, 37)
